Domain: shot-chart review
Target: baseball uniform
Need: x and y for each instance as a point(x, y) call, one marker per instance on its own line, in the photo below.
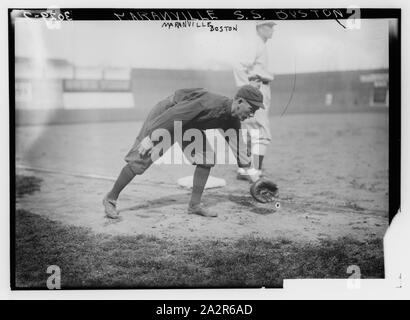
point(255, 61)
point(194, 108)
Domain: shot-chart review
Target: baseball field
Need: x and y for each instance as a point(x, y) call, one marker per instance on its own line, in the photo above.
point(332, 174)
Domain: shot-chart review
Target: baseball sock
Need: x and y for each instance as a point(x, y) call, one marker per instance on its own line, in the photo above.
point(201, 175)
point(257, 161)
point(125, 177)
point(260, 162)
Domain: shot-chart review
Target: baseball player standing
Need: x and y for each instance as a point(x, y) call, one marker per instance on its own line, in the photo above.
point(196, 109)
point(253, 69)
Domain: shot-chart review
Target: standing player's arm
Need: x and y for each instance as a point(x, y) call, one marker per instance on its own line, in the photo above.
point(241, 75)
point(243, 66)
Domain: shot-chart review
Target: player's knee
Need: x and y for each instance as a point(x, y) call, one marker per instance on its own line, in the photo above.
point(136, 168)
point(206, 160)
point(206, 165)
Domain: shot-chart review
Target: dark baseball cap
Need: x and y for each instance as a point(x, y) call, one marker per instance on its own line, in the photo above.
point(252, 95)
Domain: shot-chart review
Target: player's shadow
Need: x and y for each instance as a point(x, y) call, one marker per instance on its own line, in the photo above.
point(248, 201)
point(174, 199)
point(211, 199)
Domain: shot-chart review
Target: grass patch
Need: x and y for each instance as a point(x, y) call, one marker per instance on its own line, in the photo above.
point(95, 260)
point(27, 185)
point(89, 260)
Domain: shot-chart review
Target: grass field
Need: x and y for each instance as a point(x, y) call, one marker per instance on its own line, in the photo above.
point(92, 260)
point(332, 174)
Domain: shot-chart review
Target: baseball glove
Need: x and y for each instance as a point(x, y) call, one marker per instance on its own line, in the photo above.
point(264, 190)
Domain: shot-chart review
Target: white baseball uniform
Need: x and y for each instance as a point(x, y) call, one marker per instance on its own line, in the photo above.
point(255, 61)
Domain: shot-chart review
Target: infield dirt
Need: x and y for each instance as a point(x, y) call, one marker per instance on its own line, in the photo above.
point(331, 169)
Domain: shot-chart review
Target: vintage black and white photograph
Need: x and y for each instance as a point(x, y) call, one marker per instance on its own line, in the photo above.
point(189, 149)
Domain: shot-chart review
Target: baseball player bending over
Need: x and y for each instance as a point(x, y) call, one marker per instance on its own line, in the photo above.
point(195, 109)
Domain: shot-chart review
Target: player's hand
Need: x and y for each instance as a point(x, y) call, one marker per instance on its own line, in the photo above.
point(145, 146)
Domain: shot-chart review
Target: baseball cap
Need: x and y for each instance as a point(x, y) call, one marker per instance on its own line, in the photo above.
point(252, 95)
point(268, 22)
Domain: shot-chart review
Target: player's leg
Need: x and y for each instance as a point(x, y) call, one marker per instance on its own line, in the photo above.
point(253, 130)
point(124, 178)
point(128, 172)
point(201, 175)
point(259, 149)
point(203, 156)
point(261, 136)
point(262, 141)
point(136, 165)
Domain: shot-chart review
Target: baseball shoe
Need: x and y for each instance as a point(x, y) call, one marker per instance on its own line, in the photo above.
point(110, 208)
point(242, 174)
point(248, 174)
point(200, 210)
